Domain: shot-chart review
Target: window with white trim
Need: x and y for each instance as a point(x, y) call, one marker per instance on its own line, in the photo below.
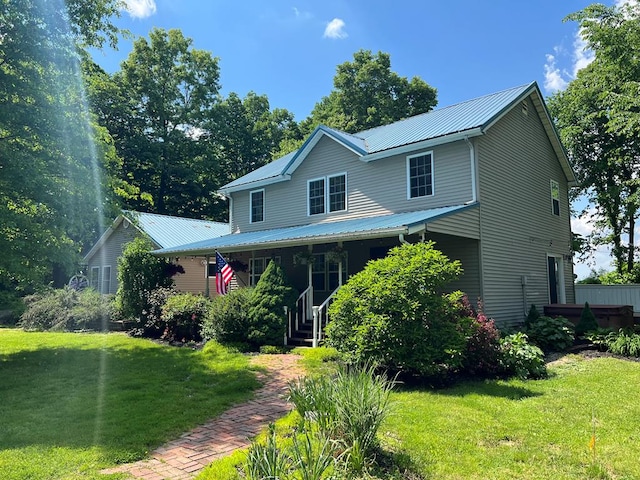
point(555, 198)
point(420, 175)
point(94, 278)
point(257, 206)
point(327, 194)
point(257, 266)
point(106, 279)
point(325, 274)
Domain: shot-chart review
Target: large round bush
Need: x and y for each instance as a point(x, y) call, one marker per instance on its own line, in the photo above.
point(227, 320)
point(393, 313)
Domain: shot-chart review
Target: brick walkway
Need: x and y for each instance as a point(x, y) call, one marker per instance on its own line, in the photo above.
point(183, 458)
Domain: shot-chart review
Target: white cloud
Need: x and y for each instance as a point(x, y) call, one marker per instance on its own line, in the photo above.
point(301, 14)
point(140, 8)
point(335, 29)
point(553, 80)
point(582, 56)
point(599, 257)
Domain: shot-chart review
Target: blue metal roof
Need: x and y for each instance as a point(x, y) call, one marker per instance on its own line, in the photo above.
point(168, 231)
point(477, 113)
point(358, 228)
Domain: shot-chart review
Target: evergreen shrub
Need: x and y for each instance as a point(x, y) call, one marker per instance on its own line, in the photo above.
point(587, 322)
point(267, 307)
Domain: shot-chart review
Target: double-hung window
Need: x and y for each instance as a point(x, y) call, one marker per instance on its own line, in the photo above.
point(257, 206)
point(420, 175)
point(325, 274)
point(327, 194)
point(257, 266)
point(106, 279)
point(555, 198)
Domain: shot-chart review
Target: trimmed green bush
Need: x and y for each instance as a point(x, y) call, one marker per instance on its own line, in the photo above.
point(266, 307)
point(551, 334)
point(182, 317)
point(520, 358)
point(587, 322)
point(392, 314)
point(66, 309)
point(227, 320)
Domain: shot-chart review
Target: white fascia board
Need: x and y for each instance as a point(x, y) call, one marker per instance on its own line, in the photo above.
point(453, 137)
point(255, 185)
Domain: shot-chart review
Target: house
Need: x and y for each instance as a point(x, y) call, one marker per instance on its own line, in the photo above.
point(486, 179)
point(101, 262)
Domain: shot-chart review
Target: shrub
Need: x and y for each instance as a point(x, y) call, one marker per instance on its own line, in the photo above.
point(182, 317)
point(152, 325)
point(520, 358)
point(587, 322)
point(227, 320)
point(66, 309)
point(139, 273)
point(393, 314)
point(482, 353)
point(551, 334)
point(11, 307)
point(625, 343)
point(266, 307)
point(532, 316)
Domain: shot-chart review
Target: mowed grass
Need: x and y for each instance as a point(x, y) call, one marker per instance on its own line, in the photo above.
point(526, 430)
point(73, 404)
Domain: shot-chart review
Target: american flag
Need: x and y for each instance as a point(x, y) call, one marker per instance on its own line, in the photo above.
point(223, 274)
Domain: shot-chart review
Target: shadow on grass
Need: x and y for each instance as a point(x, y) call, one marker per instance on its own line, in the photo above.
point(127, 399)
point(497, 388)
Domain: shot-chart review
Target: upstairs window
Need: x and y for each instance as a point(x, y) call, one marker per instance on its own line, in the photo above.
point(257, 206)
point(420, 175)
point(327, 194)
point(316, 196)
point(555, 198)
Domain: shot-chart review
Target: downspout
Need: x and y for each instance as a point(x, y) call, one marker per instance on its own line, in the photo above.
point(401, 239)
point(472, 162)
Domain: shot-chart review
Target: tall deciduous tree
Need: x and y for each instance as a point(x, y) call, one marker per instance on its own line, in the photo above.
point(598, 116)
point(51, 152)
point(165, 90)
point(368, 94)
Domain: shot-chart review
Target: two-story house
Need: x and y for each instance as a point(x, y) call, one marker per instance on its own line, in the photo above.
point(486, 179)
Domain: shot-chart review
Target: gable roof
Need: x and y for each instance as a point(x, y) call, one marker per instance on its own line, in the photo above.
point(164, 230)
point(346, 230)
point(444, 125)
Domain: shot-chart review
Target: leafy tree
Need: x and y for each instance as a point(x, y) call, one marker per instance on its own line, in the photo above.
point(156, 107)
point(139, 273)
point(52, 154)
point(266, 311)
point(368, 94)
point(393, 313)
point(599, 120)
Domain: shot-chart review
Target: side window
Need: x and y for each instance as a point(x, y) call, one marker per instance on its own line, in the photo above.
point(555, 197)
point(106, 279)
point(420, 175)
point(257, 206)
point(338, 193)
point(94, 278)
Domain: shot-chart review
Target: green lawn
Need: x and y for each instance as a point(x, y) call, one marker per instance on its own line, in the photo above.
point(515, 429)
point(72, 404)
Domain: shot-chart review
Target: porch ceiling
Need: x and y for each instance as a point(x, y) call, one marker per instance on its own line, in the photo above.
point(344, 230)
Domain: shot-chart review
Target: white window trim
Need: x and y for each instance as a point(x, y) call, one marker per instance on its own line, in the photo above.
point(408, 174)
point(251, 205)
point(104, 269)
point(553, 183)
point(562, 291)
point(324, 179)
point(327, 201)
point(98, 283)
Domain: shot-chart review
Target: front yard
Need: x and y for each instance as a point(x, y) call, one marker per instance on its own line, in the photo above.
point(73, 404)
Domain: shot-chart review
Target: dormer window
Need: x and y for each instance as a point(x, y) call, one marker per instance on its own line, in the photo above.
point(327, 194)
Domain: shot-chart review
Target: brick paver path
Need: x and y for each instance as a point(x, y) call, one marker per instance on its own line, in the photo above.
point(183, 458)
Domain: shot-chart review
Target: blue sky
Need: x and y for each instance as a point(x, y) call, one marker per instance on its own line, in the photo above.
point(289, 49)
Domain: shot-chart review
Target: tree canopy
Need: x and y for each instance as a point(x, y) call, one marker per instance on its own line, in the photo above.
point(598, 116)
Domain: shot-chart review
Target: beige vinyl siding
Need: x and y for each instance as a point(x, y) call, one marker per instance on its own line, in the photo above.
point(375, 188)
point(193, 279)
point(518, 229)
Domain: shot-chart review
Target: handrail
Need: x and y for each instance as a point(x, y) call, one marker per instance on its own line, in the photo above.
point(303, 308)
point(321, 318)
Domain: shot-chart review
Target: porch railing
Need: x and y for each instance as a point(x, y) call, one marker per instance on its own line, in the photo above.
point(321, 318)
point(302, 310)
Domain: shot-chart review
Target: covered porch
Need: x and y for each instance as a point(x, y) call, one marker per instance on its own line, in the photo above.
point(319, 258)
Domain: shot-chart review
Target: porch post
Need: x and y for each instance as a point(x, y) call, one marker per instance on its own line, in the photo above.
point(310, 272)
point(340, 268)
point(206, 276)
